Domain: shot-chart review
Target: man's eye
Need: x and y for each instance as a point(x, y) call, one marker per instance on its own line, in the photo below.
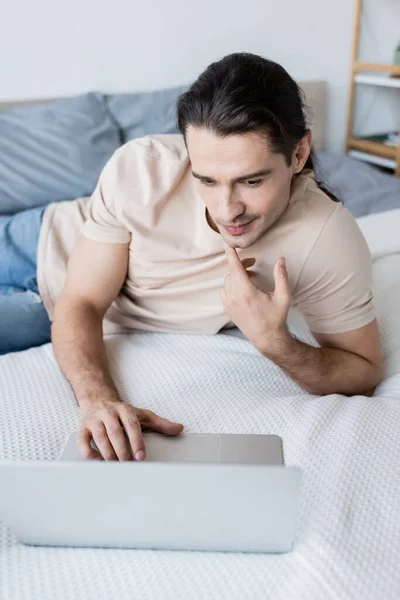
point(254, 182)
point(206, 182)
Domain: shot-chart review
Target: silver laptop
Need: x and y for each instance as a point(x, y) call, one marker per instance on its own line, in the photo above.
point(212, 492)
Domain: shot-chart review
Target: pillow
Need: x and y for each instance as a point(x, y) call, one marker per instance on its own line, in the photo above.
point(53, 151)
point(145, 113)
point(382, 232)
point(362, 188)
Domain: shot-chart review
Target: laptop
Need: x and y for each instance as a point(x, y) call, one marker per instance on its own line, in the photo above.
point(211, 492)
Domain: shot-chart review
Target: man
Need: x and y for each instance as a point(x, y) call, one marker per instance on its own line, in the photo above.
point(167, 241)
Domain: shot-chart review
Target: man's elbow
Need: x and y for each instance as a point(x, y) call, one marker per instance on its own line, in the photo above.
point(376, 377)
point(369, 392)
point(371, 379)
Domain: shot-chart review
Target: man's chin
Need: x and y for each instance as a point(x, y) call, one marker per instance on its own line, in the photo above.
point(239, 241)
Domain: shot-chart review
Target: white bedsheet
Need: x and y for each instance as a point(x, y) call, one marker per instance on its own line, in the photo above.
point(348, 535)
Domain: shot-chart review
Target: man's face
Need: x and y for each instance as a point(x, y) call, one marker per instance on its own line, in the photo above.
point(226, 175)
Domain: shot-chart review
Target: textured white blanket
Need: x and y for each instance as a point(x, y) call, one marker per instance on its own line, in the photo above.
point(348, 535)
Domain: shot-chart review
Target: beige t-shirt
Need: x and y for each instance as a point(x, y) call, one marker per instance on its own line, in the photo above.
point(147, 196)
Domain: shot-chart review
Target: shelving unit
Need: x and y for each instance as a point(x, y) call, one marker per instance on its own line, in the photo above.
point(377, 80)
point(377, 75)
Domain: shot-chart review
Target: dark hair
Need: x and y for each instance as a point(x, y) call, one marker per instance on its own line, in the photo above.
point(245, 92)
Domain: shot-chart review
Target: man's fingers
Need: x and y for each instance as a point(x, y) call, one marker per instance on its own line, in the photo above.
point(84, 447)
point(117, 432)
point(100, 437)
point(157, 423)
point(238, 268)
point(234, 262)
point(117, 438)
point(134, 432)
point(281, 279)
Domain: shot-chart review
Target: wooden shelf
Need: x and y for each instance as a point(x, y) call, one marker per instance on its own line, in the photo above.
point(378, 80)
point(373, 151)
point(373, 159)
point(376, 68)
point(377, 148)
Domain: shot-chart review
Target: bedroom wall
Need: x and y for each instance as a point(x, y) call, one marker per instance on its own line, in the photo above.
point(51, 48)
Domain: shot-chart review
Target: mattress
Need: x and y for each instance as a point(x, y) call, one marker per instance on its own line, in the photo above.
point(347, 542)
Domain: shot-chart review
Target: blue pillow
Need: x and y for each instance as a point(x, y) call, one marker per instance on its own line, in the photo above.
point(361, 187)
point(145, 113)
point(53, 151)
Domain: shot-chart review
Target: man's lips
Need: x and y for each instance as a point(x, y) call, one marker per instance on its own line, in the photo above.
point(237, 230)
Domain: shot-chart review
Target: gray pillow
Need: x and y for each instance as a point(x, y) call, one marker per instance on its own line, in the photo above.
point(362, 188)
point(53, 151)
point(145, 113)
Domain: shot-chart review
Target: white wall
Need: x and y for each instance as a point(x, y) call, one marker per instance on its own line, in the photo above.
point(52, 48)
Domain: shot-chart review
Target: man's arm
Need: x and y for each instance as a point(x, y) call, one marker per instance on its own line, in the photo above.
point(334, 293)
point(348, 363)
point(96, 273)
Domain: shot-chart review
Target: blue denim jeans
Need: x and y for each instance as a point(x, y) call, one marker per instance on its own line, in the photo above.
point(23, 319)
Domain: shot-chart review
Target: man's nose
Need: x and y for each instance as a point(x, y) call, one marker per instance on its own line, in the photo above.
point(230, 208)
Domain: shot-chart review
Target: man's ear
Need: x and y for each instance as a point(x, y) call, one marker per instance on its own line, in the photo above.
point(302, 152)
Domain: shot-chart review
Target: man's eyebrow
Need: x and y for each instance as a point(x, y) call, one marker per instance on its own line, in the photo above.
point(236, 179)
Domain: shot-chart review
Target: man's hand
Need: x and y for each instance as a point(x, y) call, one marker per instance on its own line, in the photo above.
point(105, 421)
point(260, 315)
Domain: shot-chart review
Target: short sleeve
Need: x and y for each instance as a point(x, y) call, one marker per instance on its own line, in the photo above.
point(334, 291)
point(103, 223)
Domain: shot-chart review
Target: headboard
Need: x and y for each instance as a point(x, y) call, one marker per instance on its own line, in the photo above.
point(315, 92)
point(316, 101)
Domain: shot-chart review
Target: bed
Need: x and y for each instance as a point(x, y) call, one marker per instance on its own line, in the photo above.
point(348, 533)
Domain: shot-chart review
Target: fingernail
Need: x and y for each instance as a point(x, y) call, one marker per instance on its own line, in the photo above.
point(139, 455)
